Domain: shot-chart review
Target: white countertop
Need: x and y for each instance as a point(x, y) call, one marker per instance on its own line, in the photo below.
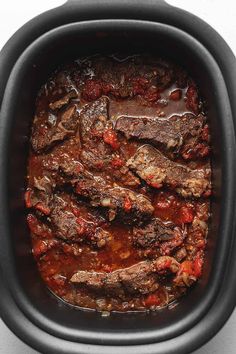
point(219, 14)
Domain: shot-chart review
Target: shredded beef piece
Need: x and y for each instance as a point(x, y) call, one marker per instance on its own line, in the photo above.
point(172, 133)
point(165, 236)
point(63, 101)
point(71, 227)
point(157, 170)
point(93, 118)
point(99, 160)
point(48, 129)
point(129, 205)
point(140, 278)
point(40, 196)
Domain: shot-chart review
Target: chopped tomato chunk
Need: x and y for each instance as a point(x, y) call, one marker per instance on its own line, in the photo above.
point(186, 214)
point(76, 212)
point(187, 267)
point(28, 199)
point(110, 137)
point(81, 228)
point(44, 209)
point(117, 162)
point(192, 99)
point(198, 263)
point(42, 246)
point(155, 185)
point(205, 133)
point(92, 90)
point(139, 85)
point(152, 300)
point(99, 164)
point(152, 94)
point(193, 268)
point(207, 193)
point(175, 95)
point(127, 204)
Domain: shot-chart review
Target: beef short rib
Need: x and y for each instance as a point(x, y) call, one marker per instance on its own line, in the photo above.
point(171, 133)
point(141, 278)
point(70, 223)
point(164, 236)
point(129, 205)
point(157, 170)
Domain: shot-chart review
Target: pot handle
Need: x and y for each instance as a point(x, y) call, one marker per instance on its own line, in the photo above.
point(132, 9)
point(112, 3)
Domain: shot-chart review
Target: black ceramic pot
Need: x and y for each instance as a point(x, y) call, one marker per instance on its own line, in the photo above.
point(85, 27)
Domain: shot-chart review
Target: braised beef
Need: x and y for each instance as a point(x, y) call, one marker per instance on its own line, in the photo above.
point(117, 224)
point(40, 196)
point(49, 128)
point(157, 170)
point(99, 160)
point(141, 278)
point(172, 133)
point(69, 222)
point(63, 101)
point(93, 119)
point(129, 205)
point(165, 236)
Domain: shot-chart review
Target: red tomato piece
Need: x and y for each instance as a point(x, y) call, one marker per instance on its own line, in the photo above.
point(186, 214)
point(152, 300)
point(92, 90)
point(107, 268)
point(205, 133)
point(44, 209)
point(117, 162)
point(155, 185)
point(139, 85)
point(163, 204)
point(106, 88)
point(76, 212)
point(152, 94)
point(81, 228)
point(99, 164)
point(207, 193)
point(198, 263)
point(127, 204)
point(110, 137)
point(192, 99)
point(28, 199)
point(175, 95)
point(201, 244)
point(187, 267)
point(42, 246)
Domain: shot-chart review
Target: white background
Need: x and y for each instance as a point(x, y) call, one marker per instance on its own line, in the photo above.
point(221, 14)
